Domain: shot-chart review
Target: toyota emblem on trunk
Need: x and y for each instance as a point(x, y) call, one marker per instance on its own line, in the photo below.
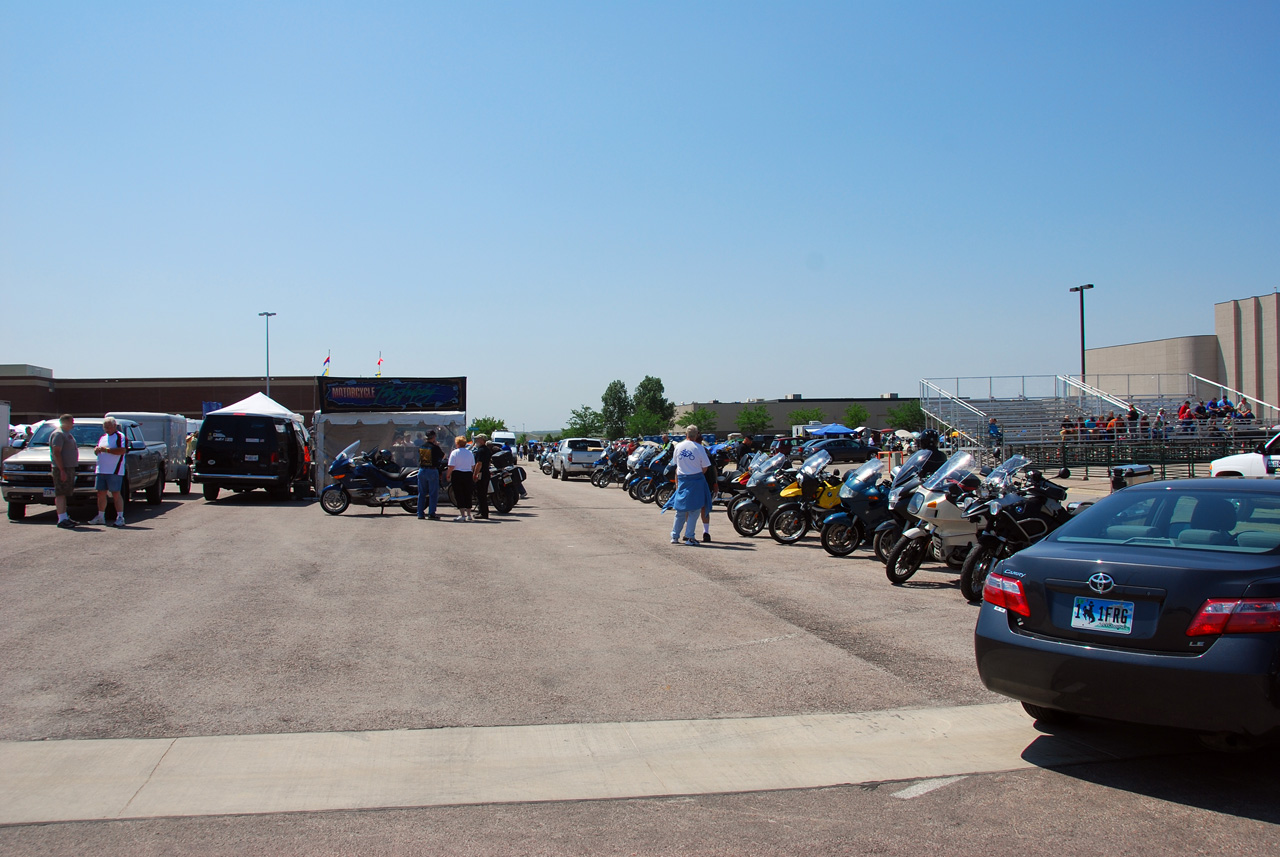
point(1101, 583)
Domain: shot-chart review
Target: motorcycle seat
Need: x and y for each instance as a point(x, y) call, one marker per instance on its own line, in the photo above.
point(400, 474)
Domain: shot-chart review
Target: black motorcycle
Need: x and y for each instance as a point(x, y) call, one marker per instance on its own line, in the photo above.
point(1015, 513)
point(909, 476)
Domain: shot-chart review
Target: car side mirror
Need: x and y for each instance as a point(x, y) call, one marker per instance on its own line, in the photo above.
point(1064, 473)
point(137, 444)
point(1261, 448)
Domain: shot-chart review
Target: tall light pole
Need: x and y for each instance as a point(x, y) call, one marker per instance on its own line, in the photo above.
point(1081, 290)
point(266, 316)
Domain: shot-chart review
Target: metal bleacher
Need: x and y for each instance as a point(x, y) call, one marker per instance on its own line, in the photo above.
point(1030, 410)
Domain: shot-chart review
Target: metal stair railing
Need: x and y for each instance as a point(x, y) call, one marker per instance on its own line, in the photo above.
point(949, 411)
point(1274, 412)
point(1085, 392)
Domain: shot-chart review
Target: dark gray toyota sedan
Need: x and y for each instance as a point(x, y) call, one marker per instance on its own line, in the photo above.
point(1158, 605)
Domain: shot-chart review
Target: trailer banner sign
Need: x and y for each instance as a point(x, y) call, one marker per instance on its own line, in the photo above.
point(391, 394)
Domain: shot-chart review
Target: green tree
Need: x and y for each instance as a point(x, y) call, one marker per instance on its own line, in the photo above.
point(856, 415)
point(584, 422)
point(801, 416)
point(907, 415)
point(615, 408)
point(488, 425)
point(704, 418)
point(650, 395)
point(753, 420)
point(643, 422)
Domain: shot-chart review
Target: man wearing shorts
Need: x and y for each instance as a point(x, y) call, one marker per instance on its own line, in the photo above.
point(65, 456)
point(111, 450)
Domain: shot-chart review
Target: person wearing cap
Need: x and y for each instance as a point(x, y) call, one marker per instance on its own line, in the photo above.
point(430, 460)
point(483, 455)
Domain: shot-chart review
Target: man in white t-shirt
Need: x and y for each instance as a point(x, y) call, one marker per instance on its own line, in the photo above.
point(111, 451)
point(692, 493)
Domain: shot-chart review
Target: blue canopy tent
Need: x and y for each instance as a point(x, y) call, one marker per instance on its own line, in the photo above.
point(831, 430)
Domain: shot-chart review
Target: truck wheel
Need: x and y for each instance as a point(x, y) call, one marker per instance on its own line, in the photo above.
point(210, 492)
point(301, 492)
point(184, 484)
point(564, 475)
point(126, 493)
point(155, 492)
point(276, 492)
point(17, 511)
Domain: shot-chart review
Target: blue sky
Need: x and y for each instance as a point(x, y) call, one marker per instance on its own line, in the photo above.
point(743, 199)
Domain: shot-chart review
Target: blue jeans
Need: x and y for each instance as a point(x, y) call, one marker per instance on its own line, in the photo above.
point(428, 484)
point(688, 520)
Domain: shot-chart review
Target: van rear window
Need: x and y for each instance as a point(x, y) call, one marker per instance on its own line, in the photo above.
point(238, 429)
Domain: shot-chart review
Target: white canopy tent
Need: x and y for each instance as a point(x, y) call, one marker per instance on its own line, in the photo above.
point(399, 431)
point(258, 405)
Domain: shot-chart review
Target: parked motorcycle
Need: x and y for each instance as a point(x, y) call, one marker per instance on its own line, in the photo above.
point(369, 480)
point(751, 515)
point(807, 502)
point(902, 487)
point(863, 496)
point(1014, 513)
point(941, 525)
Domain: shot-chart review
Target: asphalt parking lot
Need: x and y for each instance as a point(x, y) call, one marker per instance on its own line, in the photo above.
point(249, 617)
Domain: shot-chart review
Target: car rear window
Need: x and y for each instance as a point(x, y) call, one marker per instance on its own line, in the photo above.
point(1180, 518)
point(579, 445)
point(240, 430)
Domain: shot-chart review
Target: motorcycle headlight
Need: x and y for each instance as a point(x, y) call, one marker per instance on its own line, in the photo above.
point(993, 508)
point(894, 495)
point(916, 504)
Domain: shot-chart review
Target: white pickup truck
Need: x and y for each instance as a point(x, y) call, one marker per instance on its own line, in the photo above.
point(1263, 461)
point(576, 456)
point(27, 477)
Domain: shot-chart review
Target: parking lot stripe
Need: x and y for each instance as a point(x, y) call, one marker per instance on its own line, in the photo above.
point(49, 781)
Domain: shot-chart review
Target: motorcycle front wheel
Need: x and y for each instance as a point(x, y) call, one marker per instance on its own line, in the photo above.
point(663, 494)
point(647, 490)
point(788, 526)
point(735, 504)
point(884, 542)
point(749, 520)
point(905, 559)
point(973, 574)
point(410, 505)
point(334, 500)
point(840, 539)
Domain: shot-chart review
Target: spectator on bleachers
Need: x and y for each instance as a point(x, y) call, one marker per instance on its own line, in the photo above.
point(1245, 414)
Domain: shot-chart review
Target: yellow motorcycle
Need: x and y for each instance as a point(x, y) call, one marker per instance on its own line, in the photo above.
point(807, 502)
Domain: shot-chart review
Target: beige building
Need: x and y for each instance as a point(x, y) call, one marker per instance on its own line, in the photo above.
point(1247, 334)
point(1243, 354)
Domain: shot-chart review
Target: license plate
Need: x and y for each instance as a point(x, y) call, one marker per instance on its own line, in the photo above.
point(251, 458)
point(49, 492)
point(1095, 614)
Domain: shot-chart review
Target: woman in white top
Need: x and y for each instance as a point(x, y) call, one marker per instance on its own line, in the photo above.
point(461, 463)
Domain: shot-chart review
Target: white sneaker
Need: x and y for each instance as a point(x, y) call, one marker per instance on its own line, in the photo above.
point(120, 521)
point(99, 520)
point(461, 518)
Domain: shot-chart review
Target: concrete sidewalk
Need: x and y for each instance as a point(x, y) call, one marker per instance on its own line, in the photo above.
point(132, 778)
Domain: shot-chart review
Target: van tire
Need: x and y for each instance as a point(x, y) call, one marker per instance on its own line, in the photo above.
point(17, 511)
point(210, 492)
point(184, 484)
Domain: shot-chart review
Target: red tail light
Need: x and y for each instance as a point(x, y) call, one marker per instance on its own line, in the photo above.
point(199, 455)
point(1236, 616)
point(1006, 592)
point(275, 458)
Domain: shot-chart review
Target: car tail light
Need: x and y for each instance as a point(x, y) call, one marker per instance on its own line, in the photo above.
point(275, 458)
point(1006, 592)
point(1236, 616)
point(199, 455)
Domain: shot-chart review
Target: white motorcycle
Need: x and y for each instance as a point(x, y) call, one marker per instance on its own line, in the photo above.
point(942, 527)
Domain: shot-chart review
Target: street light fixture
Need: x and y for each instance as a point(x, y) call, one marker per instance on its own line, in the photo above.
point(1082, 290)
point(267, 318)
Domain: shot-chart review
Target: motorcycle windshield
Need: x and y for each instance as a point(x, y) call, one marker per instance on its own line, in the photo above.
point(909, 468)
point(1006, 471)
point(957, 468)
point(814, 464)
point(350, 451)
point(769, 465)
point(862, 479)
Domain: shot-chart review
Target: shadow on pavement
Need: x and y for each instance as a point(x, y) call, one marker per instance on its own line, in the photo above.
point(1165, 764)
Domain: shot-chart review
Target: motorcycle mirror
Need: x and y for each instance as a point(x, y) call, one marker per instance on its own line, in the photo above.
point(1064, 473)
point(836, 472)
